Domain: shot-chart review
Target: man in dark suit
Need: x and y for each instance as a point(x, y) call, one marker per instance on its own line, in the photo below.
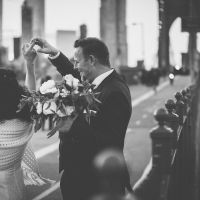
point(107, 128)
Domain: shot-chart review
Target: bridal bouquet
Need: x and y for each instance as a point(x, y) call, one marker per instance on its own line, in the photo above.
point(62, 101)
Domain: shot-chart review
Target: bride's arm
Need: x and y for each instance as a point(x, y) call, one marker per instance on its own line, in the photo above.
point(29, 55)
point(30, 81)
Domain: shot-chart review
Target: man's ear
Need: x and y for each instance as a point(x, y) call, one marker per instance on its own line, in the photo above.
point(92, 59)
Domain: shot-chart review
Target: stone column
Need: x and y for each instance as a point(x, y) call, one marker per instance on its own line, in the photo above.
point(193, 57)
point(26, 23)
point(38, 26)
point(113, 30)
point(121, 33)
point(163, 48)
point(108, 27)
point(38, 9)
point(193, 28)
point(3, 56)
point(1, 24)
point(17, 47)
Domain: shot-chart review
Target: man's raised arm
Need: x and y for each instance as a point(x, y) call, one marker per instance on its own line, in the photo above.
point(57, 58)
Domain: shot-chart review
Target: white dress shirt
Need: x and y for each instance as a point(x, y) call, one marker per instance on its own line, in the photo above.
point(97, 81)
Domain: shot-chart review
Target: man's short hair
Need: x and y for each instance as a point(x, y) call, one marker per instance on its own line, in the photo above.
point(94, 46)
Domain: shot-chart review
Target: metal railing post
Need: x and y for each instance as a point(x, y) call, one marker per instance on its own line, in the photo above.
point(161, 150)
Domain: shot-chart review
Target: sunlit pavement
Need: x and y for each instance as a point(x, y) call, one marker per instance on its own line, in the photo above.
point(137, 143)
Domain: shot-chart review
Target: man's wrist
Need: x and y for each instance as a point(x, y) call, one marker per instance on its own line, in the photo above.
point(55, 55)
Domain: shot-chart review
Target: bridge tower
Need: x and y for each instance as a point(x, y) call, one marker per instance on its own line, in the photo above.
point(26, 22)
point(1, 24)
point(113, 30)
point(38, 8)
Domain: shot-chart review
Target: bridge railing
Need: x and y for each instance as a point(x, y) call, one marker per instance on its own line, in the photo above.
point(173, 172)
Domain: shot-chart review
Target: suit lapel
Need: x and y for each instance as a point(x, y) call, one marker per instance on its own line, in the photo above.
point(100, 88)
point(105, 81)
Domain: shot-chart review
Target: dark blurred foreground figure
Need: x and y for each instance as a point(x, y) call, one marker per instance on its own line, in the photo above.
point(80, 143)
point(148, 186)
point(111, 170)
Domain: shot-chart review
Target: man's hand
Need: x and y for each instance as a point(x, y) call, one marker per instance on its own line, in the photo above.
point(63, 126)
point(67, 124)
point(29, 53)
point(45, 47)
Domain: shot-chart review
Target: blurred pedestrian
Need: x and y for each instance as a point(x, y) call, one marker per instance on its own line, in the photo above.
point(155, 77)
point(171, 78)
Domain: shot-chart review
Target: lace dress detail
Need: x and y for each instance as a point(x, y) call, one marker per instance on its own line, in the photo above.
point(14, 136)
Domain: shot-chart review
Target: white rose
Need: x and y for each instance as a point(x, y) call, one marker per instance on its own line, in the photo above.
point(64, 93)
point(71, 81)
point(60, 114)
point(57, 94)
point(76, 91)
point(50, 83)
point(48, 87)
point(75, 83)
point(39, 108)
point(68, 79)
point(49, 107)
point(52, 90)
point(69, 110)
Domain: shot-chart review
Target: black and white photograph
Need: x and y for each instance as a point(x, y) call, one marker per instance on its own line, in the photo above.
point(99, 99)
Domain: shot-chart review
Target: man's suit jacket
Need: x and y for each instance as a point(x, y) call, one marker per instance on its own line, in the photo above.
point(107, 129)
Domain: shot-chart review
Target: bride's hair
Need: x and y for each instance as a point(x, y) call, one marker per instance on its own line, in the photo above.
point(11, 93)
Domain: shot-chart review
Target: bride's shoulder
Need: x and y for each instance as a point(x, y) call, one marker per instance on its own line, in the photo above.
point(14, 121)
point(15, 133)
point(15, 124)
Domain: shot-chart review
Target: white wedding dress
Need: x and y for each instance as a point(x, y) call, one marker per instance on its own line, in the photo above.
point(18, 165)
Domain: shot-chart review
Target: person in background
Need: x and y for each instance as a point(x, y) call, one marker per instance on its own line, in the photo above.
point(155, 77)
